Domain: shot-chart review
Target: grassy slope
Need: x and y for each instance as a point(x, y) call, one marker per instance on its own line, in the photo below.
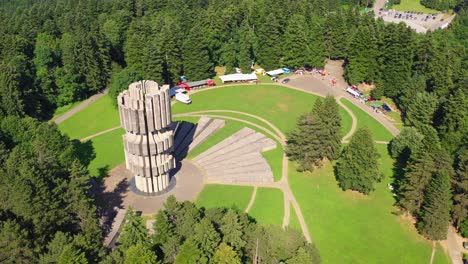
point(413, 5)
point(348, 227)
point(379, 132)
point(279, 105)
point(63, 109)
point(214, 195)
point(268, 206)
point(98, 116)
point(109, 152)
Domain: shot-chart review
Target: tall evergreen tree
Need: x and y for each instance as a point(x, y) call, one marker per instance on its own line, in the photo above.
point(197, 64)
point(296, 52)
point(269, 52)
point(460, 189)
point(435, 213)
point(224, 254)
point(134, 231)
point(232, 230)
point(358, 167)
point(362, 56)
point(246, 46)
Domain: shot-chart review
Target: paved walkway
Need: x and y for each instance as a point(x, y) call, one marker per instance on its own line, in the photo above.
point(117, 188)
point(80, 107)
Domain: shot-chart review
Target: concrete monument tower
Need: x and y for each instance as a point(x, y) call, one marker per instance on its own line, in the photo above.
point(145, 114)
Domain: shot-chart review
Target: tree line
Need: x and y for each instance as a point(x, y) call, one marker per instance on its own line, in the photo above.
point(185, 234)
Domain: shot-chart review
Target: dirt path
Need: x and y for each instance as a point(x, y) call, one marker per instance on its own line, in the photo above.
point(99, 133)
point(252, 199)
point(353, 118)
point(433, 252)
point(80, 107)
point(454, 246)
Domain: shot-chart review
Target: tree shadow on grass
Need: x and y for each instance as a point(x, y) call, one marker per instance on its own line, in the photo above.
point(84, 151)
point(103, 172)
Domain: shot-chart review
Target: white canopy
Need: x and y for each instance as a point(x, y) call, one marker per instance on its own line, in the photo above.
point(275, 72)
point(352, 92)
point(238, 77)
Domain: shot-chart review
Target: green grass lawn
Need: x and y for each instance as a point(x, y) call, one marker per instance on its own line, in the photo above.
point(280, 105)
point(293, 221)
point(98, 116)
point(226, 196)
point(349, 227)
point(413, 5)
point(440, 256)
point(379, 132)
point(63, 109)
point(268, 207)
point(109, 152)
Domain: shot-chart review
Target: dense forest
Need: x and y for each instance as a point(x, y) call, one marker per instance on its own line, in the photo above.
point(187, 234)
point(55, 52)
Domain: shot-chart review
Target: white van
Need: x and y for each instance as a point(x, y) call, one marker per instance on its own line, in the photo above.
point(184, 98)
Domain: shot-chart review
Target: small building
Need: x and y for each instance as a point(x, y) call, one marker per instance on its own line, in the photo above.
point(239, 77)
point(199, 84)
point(275, 72)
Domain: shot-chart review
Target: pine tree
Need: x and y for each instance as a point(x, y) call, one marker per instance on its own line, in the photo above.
point(397, 53)
point(170, 43)
point(225, 255)
point(331, 119)
point(404, 144)
point(362, 56)
point(420, 111)
point(296, 53)
point(246, 40)
point(460, 189)
point(336, 35)
point(188, 253)
point(453, 129)
point(134, 231)
point(140, 254)
point(206, 236)
point(300, 257)
point(163, 228)
point(232, 230)
point(358, 167)
point(317, 135)
point(416, 178)
point(435, 213)
point(268, 52)
point(316, 44)
point(197, 64)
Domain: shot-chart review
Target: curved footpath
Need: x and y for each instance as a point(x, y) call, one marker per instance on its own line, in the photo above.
point(80, 107)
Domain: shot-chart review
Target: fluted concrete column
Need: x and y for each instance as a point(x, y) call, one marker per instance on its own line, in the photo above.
point(145, 114)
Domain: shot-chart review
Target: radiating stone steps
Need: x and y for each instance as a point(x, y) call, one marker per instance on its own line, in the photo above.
point(248, 159)
point(248, 142)
point(187, 135)
point(214, 126)
point(245, 149)
point(238, 158)
point(232, 139)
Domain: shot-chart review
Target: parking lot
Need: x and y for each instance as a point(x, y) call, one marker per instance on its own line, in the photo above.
point(419, 21)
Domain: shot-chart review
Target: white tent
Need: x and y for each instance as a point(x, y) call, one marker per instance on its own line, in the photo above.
point(275, 72)
point(238, 77)
point(352, 92)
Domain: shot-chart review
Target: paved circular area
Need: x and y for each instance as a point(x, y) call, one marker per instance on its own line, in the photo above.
point(117, 192)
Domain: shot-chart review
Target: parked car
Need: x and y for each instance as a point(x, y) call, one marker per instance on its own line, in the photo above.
point(285, 80)
point(183, 98)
